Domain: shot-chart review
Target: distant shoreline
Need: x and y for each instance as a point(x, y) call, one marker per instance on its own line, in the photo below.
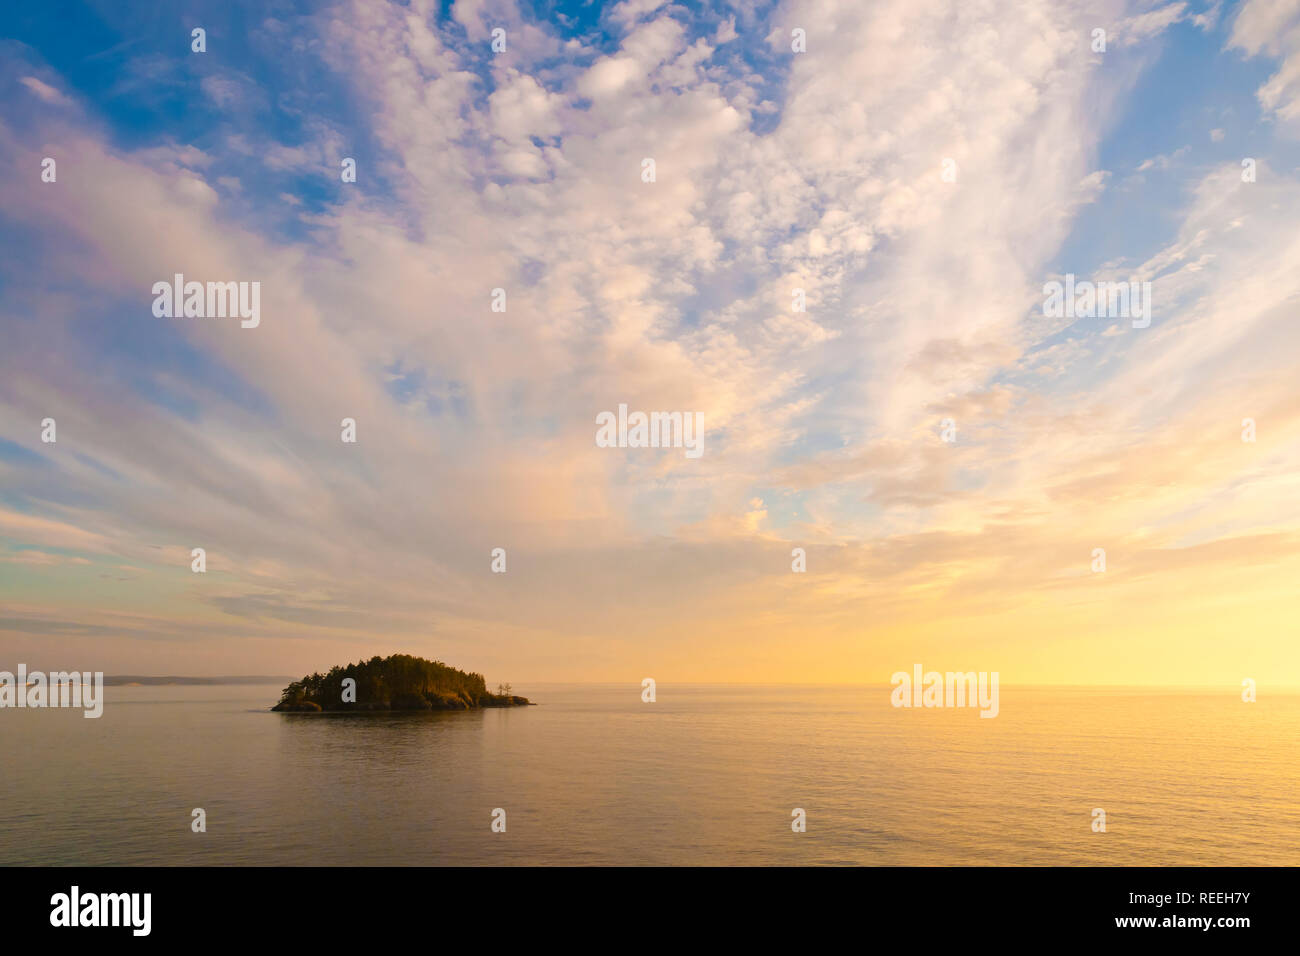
point(126, 680)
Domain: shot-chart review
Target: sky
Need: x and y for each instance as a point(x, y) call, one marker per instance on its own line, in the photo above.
point(947, 453)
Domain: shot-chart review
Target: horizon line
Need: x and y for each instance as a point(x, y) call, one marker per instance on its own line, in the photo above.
point(712, 683)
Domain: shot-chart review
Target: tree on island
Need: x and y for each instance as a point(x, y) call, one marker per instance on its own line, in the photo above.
point(398, 682)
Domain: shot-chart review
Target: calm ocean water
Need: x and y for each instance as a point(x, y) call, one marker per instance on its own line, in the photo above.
point(706, 775)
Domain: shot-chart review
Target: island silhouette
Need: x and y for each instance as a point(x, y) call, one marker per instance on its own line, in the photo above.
point(398, 682)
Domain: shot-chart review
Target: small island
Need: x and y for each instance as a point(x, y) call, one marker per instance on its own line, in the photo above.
point(399, 682)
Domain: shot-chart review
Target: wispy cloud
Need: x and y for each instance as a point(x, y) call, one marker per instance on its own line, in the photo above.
point(824, 171)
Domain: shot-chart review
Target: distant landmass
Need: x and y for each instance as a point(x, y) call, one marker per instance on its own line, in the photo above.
point(399, 682)
point(121, 680)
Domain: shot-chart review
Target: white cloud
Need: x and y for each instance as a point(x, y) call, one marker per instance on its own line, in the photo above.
point(44, 91)
point(1273, 27)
